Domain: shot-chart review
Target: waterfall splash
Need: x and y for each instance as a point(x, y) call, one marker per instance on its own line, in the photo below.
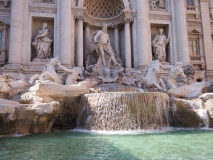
point(201, 112)
point(124, 111)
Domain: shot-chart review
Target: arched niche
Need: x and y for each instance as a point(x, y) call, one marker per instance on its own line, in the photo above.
point(125, 2)
point(97, 12)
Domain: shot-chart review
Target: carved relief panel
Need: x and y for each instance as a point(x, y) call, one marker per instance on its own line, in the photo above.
point(5, 3)
point(157, 4)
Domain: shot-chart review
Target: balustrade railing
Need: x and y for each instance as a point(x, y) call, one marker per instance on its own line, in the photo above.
point(194, 58)
point(191, 8)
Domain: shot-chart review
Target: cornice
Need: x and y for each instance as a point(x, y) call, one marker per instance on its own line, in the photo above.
point(157, 15)
point(42, 9)
point(4, 11)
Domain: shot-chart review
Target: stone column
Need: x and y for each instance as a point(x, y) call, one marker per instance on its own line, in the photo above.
point(117, 42)
point(80, 41)
point(58, 29)
point(142, 33)
point(73, 41)
point(25, 53)
point(4, 33)
point(87, 41)
point(181, 29)
point(128, 59)
point(16, 32)
point(65, 47)
point(207, 34)
point(134, 42)
point(3, 47)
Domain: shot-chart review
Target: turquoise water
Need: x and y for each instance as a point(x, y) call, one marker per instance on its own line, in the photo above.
point(63, 145)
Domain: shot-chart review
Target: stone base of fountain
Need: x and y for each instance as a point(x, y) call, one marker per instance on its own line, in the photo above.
point(124, 111)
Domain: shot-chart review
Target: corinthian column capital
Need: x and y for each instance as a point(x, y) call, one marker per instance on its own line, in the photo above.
point(128, 20)
point(79, 17)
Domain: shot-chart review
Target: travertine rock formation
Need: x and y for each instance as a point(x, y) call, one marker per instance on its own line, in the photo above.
point(11, 86)
point(190, 91)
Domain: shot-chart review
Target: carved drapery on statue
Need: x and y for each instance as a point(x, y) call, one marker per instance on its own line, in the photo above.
point(159, 44)
point(42, 43)
point(103, 61)
point(109, 54)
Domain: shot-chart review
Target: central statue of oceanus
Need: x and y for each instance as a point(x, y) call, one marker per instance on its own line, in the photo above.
point(108, 57)
point(107, 65)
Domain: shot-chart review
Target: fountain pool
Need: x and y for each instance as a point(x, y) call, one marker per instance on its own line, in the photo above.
point(78, 145)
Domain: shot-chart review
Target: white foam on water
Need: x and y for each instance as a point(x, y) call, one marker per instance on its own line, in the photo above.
point(20, 135)
point(137, 132)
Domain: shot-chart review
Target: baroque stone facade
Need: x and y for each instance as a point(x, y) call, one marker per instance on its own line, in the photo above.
point(132, 27)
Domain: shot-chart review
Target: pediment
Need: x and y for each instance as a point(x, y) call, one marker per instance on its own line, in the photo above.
point(194, 31)
point(3, 23)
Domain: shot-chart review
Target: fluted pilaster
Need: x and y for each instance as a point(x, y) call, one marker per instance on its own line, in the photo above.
point(65, 47)
point(16, 32)
point(80, 43)
point(142, 30)
point(181, 29)
point(128, 57)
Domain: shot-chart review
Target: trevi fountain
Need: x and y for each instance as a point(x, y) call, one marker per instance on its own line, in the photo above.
point(106, 79)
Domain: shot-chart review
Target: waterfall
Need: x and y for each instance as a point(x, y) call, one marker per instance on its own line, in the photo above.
point(24, 120)
point(20, 123)
point(123, 111)
point(201, 112)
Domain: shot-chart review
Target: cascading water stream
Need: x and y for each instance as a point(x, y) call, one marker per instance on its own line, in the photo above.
point(201, 112)
point(124, 111)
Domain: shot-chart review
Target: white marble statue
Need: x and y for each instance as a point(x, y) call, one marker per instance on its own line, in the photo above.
point(159, 44)
point(103, 62)
point(151, 79)
point(49, 74)
point(137, 77)
point(101, 39)
point(43, 43)
point(74, 74)
point(174, 72)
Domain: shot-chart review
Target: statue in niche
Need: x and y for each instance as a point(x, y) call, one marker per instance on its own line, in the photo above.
point(101, 40)
point(103, 62)
point(159, 44)
point(174, 73)
point(42, 43)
